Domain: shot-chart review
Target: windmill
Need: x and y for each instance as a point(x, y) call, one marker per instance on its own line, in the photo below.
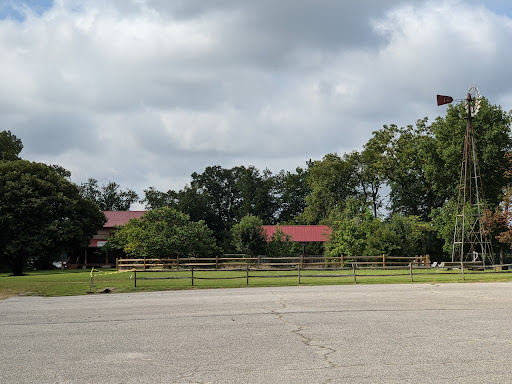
point(470, 242)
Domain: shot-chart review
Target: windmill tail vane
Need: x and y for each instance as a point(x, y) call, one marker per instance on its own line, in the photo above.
point(441, 100)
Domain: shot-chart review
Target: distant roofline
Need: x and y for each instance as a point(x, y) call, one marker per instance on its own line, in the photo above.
point(301, 233)
point(119, 218)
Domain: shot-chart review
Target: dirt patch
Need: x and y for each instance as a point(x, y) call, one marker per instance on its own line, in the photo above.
point(5, 295)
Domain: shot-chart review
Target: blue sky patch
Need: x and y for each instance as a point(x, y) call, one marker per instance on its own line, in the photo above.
point(15, 9)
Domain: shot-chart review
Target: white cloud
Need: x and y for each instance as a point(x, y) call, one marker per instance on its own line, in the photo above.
point(146, 92)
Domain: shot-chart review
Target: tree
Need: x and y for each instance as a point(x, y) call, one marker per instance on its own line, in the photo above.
point(164, 233)
point(291, 192)
point(498, 223)
point(41, 213)
point(248, 236)
point(410, 167)
point(493, 141)
point(369, 170)
point(443, 222)
point(352, 230)
point(154, 198)
point(356, 232)
point(109, 197)
point(332, 180)
point(406, 233)
point(10, 146)
point(281, 244)
point(222, 197)
point(257, 193)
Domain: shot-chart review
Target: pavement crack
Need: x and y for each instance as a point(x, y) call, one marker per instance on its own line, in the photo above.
point(325, 351)
point(301, 332)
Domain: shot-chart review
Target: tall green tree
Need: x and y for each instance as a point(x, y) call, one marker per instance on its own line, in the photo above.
point(369, 170)
point(110, 196)
point(154, 198)
point(214, 195)
point(164, 233)
point(41, 213)
point(493, 141)
point(332, 180)
point(224, 196)
point(409, 166)
point(10, 146)
point(291, 191)
point(257, 193)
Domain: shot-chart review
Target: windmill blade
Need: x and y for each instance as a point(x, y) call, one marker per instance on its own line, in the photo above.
point(474, 104)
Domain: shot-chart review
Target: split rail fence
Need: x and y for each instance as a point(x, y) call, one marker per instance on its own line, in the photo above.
point(354, 272)
point(258, 262)
point(253, 267)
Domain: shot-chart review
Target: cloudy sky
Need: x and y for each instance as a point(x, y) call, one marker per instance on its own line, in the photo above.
point(145, 92)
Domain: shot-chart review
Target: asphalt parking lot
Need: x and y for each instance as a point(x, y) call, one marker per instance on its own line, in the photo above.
point(451, 333)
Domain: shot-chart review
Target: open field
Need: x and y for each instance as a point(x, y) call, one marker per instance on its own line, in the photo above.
point(77, 282)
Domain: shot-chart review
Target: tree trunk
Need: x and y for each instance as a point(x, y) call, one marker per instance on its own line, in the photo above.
point(17, 263)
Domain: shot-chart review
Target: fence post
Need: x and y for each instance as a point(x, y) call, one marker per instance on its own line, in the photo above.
point(298, 269)
point(341, 261)
point(91, 284)
point(384, 260)
point(117, 264)
point(354, 271)
point(462, 269)
point(427, 260)
point(144, 262)
point(410, 270)
point(135, 277)
point(216, 261)
point(247, 273)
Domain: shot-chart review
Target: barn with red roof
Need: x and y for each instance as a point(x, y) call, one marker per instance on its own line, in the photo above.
point(90, 256)
point(303, 234)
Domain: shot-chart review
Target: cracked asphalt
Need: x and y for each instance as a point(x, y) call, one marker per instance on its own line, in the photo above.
point(452, 333)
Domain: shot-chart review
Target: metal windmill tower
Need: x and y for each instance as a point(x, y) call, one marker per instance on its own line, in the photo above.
point(470, 243)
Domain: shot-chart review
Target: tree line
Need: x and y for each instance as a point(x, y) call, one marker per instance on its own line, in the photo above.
point(397, 195)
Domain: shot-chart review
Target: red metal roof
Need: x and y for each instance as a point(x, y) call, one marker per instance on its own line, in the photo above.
point(115, 219)
point(118, 218)
point(301, 233)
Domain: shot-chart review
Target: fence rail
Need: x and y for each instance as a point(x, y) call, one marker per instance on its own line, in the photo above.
point(250, 272)
point(354, 272)
point(233, 261)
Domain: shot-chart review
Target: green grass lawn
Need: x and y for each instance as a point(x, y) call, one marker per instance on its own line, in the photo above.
point(77, 282)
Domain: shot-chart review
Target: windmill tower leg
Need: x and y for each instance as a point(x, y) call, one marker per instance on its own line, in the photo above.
point(470, 242)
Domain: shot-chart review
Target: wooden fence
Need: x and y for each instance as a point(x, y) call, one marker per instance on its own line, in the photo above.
point(354, 272)
point(262, 262)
